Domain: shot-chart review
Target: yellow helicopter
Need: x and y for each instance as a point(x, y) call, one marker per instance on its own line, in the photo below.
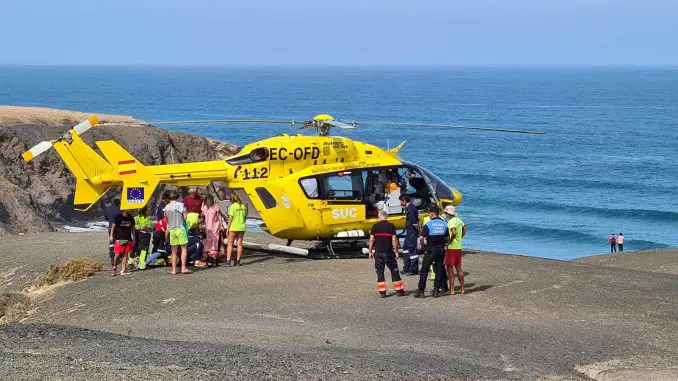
point(301, 187)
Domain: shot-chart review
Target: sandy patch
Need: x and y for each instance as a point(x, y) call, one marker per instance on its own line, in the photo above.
point(48, 116)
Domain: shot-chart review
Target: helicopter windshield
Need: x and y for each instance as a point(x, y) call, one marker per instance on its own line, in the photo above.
point(442, 190)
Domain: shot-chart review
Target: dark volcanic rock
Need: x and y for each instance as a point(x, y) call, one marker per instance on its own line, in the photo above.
point(35, 195)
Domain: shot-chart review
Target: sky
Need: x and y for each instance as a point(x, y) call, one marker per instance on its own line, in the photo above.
point(346, 32)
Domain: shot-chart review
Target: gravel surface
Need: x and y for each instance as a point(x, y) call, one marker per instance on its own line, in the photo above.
point(282, 317)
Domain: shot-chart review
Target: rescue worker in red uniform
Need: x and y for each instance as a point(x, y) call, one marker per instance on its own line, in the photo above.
point(383, 249)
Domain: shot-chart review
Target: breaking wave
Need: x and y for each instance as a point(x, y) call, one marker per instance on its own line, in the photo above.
point(566, 236)
point(607, 213)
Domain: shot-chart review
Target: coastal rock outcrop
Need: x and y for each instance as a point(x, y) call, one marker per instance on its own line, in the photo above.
point(37, 195)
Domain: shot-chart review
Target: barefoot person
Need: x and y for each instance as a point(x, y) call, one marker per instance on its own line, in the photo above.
point(237, 215)
point(457, 229)
point(176, 231)
point(122, 236)
point(213, 224)
point(383, 249)
point(223, 203)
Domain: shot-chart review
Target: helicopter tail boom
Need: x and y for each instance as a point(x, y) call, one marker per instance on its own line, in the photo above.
point(138, 181)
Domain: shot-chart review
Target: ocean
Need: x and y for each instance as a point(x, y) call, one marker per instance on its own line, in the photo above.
point(606, 164)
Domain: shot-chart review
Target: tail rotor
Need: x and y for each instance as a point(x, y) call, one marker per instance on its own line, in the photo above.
point(45, 145)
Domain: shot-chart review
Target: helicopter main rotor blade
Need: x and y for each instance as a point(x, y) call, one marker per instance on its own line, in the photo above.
point(215, 121)
point(336, 123)
point(333, 123)
point(457, 126)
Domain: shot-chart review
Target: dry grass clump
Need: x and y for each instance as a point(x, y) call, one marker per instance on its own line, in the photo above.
point(13, 307)
point(72, 270)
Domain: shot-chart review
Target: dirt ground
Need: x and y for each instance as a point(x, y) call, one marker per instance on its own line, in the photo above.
point(281, 317)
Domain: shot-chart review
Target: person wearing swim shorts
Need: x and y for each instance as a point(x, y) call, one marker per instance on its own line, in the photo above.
point(122, 236)
point(176, 232)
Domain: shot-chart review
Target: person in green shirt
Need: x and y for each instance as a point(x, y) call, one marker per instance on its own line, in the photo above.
point(457, 229)
point(237, 216)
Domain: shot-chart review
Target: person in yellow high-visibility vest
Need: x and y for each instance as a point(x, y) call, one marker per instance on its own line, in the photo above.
point(457, 230)
point(142, 223)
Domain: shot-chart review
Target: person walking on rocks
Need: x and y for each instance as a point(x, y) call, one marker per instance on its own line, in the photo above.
point(383, 248)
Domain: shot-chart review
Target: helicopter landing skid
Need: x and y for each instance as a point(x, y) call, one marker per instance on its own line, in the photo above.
point(338, 249)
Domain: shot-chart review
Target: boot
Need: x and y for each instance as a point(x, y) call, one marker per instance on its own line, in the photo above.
point(419, 294)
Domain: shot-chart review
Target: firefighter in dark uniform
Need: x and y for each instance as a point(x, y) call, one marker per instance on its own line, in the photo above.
point(433, 238)
point(410, 254)
point(384, 249)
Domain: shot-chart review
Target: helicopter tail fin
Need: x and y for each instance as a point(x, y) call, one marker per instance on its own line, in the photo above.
point(88, 167)
point(138, 181)
point(397, 149)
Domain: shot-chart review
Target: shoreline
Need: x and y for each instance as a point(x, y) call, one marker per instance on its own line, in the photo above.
point(469, 250)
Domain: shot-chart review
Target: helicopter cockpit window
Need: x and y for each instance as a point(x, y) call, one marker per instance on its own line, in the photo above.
point(255, 156)
point(343, 186)
point(441, 188)
point(310, 187)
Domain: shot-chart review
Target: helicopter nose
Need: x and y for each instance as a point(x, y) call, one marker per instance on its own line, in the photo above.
point(456, 198)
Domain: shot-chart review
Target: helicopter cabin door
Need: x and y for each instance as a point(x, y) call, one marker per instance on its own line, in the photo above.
point(343, 196)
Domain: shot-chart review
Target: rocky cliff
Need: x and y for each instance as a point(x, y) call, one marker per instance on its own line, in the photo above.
point(37, 195)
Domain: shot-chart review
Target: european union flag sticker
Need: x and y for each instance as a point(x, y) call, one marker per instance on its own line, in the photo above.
point(135, 195)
